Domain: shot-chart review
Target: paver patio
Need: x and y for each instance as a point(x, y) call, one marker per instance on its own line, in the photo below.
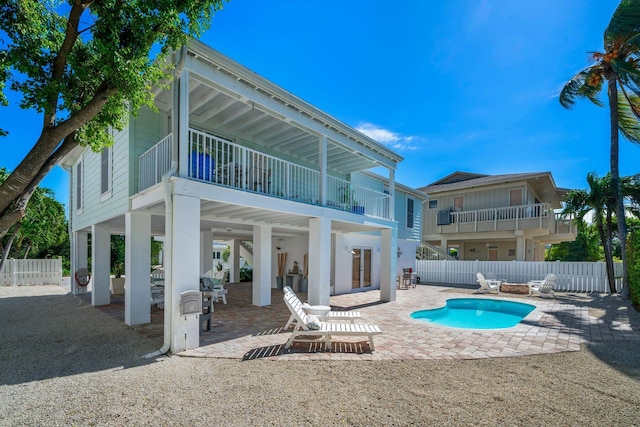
point(243, 331)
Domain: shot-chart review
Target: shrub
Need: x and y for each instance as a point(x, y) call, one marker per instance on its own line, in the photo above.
point(633, 262)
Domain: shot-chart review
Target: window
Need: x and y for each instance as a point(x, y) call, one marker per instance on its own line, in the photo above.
point(458, 203)
point(105, 172)
point(79, 187)
point(433, 204)
point(409, 213)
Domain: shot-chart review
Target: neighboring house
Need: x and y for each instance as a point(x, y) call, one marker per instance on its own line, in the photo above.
point(495, 217)
point(231, 157)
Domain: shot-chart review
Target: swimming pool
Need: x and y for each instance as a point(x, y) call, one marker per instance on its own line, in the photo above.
point(476, 313)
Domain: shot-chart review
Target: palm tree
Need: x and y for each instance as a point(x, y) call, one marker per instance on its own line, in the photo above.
point(618, 66)
point(600, 200)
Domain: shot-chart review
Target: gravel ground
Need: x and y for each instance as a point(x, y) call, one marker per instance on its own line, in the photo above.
point(67, 364)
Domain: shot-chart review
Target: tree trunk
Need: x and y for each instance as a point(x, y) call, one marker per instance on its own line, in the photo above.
point(605, 238)
point(612, 90)
point(609, 254)
point(7, 248)
point(15, 212)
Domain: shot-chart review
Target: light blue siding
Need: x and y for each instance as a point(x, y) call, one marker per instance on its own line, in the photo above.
point(97, 208)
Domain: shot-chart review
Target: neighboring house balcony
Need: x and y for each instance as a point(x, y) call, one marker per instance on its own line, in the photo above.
point(534, 219)
point(224, 163)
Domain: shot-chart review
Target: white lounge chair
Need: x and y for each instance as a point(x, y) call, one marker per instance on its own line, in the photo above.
point(324, 313)
point(309, 326)
point(543, 288)
point(487, 285)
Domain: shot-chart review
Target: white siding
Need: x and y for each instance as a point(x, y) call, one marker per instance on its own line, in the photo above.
point(94, 209)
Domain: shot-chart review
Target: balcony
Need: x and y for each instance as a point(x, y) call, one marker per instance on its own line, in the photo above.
point(538, 216)
point(221, 162)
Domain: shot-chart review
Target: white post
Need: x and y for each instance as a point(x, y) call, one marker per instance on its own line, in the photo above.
point(392, 194)
point(388, 264)
point(14, 279)
point(262, 254)
point(183, 124)
point(234, 257)
point(520, 248)
point(185, 266)
point(100, 264)
point(322, 161)
point(319, 290)
point(79, 258)
point(137, 250)
point(206, 251)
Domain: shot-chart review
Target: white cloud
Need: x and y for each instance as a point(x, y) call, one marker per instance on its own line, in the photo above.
point(386, 137)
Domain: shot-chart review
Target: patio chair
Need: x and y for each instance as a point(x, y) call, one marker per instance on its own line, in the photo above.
point(487, 285)
point(323, 312)
point(214, 286)
point(407, 278)
point(309, 326)
point(543, 288)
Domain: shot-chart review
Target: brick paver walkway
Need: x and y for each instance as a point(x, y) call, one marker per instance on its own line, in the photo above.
point(243, 331)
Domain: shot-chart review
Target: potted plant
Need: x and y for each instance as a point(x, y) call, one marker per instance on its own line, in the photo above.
point(201, 163)
point(117, 282)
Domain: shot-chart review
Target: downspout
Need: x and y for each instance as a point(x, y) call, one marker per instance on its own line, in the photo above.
point(168, 251)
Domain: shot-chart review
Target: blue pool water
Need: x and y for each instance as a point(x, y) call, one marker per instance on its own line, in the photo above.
point(476, 313)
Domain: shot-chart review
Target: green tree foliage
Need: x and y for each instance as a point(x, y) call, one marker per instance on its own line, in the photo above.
point(41, 233)
point(618, 66)
point(584, 248)
point(85, 65)
point(634, 262)
point(598, 199)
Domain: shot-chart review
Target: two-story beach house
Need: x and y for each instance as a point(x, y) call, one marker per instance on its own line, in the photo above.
point(495, 217)
point(230, 156)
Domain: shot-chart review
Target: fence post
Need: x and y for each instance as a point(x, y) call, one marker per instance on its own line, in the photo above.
point(602, 277)
point(13, 272)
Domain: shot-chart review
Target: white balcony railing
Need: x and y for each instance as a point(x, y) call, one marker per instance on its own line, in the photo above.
point(222, 162)
point(154, 163)
point(523, 217)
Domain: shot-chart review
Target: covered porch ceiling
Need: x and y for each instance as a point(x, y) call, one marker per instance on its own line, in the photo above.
point(230, 100)
point(229, 221)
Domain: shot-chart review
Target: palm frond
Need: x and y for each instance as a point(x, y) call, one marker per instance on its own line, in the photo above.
point(624, 24)
point(579, 87)
point(629, 116)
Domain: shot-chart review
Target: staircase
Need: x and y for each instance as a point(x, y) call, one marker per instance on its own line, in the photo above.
point(427, 251)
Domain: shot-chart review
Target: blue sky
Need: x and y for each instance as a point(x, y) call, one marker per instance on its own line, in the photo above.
point(466, 85)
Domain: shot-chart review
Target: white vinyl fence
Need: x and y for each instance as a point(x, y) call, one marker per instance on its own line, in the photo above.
point(571, 276)
point(31, 272)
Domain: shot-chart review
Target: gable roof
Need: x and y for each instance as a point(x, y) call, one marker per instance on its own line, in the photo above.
point(542, 184)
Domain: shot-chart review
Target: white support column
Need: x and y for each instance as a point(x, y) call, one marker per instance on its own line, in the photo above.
point(520, 248)
point(185, 265)
point(183, 124)
point(540, 255)
point(79, 258)
point(100, 264)
point(234, 258)
point(319, 291)
point(137, 259)
point(261, 265)
point(206, 251)
point(322, 162)
point(388, 264)
point(392, 194)
point(444, 245)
